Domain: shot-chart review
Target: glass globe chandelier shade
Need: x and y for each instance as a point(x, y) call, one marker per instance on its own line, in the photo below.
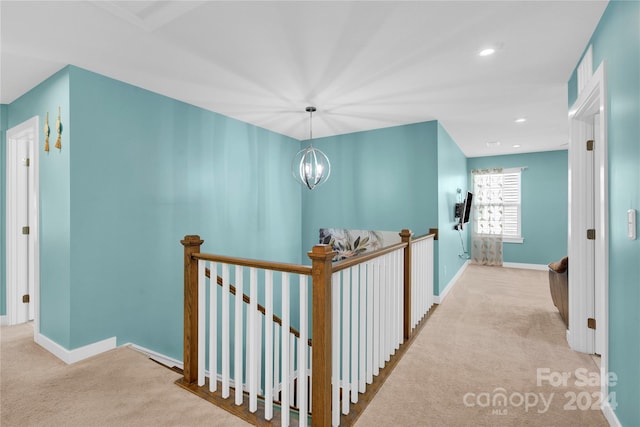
point(310, 166)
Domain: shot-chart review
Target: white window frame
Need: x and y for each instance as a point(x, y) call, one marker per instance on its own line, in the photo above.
point(512, 238)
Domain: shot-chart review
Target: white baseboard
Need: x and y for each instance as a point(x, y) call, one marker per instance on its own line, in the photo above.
point(160, 358)
point(171, 362)
point(78, 354)
point(4, 320)
point(541, 267)
point(610, 415)
point(439, 298)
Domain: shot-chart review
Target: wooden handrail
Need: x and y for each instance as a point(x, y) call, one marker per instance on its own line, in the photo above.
point(265, 265)
point(261, 308)
point(321, 272)
point(423, 237)
point(350, 262)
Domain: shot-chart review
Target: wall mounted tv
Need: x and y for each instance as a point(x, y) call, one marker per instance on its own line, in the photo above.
point(463, 211)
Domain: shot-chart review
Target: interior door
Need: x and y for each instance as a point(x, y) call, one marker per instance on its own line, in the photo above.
point(21, 223)
point(599, 223)
point(589, 238)
point(22, 209)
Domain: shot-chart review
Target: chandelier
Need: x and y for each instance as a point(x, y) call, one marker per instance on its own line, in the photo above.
point(310, 166)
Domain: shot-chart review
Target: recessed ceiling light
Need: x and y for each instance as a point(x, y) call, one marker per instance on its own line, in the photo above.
point(492, 144)
point(516, 145)
point(520, 120)
point(486, 52)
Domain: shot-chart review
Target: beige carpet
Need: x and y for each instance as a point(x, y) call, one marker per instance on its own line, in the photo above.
point(494, 330)
point(121, 387)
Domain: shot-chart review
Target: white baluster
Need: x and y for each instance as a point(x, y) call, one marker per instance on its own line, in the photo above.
point(400, 293)
point(259, 358)
point(346, 335)
point(213, 327)
point(363, 328)
point(292, 371)
point(225, 331)
point(285, 350)
point(376, 320)
point(399, 288)
point(310, 394)
point(268, 343)
point(417, 286)
point(276, 360)
point(429, 260)
point(335, 349)
point(415, 295)
point(355, 307)
point(371, 315)
point(253, 331)
point(302, 351)
point(238, 344)
point(202, 313)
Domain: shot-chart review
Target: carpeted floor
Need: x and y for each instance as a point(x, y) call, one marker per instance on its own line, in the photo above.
point(121, 387)
point(489, 338)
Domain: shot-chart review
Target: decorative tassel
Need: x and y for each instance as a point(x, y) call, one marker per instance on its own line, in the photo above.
point(47, 131)
point(59, 129)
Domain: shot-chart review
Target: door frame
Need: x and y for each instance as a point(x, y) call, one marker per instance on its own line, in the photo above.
point(585, 301)
point(29, 130)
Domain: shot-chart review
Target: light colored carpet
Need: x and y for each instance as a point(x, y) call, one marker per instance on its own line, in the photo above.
point(494, 330)
point(121, 387)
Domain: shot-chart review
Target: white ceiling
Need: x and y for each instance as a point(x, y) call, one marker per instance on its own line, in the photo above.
point(364, 65)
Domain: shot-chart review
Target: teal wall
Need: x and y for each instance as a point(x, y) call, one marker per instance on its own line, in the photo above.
point(390, 179)
point(544, 212)
point(3, 164)
point(137, 173)
point(55, 214)
point(616, 41)
point(382, 179)
point(452, 174)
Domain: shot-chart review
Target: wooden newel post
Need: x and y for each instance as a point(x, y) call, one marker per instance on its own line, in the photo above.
point(321, 269)
point(191, 246)
point(405, 235)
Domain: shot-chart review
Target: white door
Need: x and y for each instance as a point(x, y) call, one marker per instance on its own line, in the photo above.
point(22, 222)
point(599, 223)
point(589, 241)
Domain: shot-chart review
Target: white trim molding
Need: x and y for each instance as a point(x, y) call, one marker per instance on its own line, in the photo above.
point(77, 354)
point(158, 357)
point(439, 298)
point(589, 208)
point(18, 256)
point(524, 266)
point(4, 320)
point(610, 415)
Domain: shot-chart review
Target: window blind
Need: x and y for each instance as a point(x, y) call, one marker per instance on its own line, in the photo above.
point(509, 198)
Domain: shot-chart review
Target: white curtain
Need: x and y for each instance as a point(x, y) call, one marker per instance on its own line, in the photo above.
point(486, 237)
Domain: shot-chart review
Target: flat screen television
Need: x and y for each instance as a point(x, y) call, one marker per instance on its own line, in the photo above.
point(463, 211)
point(467, 207)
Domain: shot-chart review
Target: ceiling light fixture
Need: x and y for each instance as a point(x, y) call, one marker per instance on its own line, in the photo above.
point(520, 120)
point(486, 52)
point(493, 144)
point(516, 145)
point(310, 166)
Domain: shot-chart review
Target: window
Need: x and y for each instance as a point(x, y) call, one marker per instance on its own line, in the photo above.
point(500, 188)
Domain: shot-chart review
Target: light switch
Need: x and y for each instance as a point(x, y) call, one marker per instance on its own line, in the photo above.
point(631, 224)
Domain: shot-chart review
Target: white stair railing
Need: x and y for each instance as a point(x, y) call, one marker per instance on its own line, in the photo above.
point(376, 301)
point(249, 338)
point(367, 313)
point(421, 278)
